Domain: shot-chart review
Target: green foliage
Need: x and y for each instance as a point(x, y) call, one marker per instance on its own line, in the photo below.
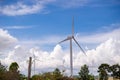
point(48, 76)
point(12, 74)
point(103, 71)
point(115, 70)
point(66, 78)
point(35, 77)
point(91, 77)
point(14, 67)
point(2, 71)
point(57, 74)
point(2, 68)
point(84, 73)
point(44, 76)
point(22, 77)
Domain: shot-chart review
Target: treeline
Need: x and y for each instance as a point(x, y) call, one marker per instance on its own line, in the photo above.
point(12, 74)
point(104, 70)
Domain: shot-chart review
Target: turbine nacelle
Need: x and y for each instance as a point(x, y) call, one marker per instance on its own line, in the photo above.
point(70, 37)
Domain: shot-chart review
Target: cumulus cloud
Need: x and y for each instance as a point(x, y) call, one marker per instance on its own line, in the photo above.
point(106, 52)
point(6, 40)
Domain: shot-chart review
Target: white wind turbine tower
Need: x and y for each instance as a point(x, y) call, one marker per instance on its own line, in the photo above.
point(72, 38)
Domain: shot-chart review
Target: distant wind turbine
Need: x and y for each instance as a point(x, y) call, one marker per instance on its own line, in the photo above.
point(72, 38)
point(34, 62)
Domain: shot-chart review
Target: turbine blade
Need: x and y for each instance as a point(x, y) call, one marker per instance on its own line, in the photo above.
point(73, 26)
point(64, 40)
point(79, 45)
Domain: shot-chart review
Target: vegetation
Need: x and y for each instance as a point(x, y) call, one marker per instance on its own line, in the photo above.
point(84, 73)
point(14, 67)
point(104, 71)
point(115, 70)
point(2, 71)
point(12, 74)
point(55, 75)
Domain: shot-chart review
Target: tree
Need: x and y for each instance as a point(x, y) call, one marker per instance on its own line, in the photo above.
point(36, 77)
point(91, 77)
point(47, 76)
point(57, 74)
point(3, 70)
point(66, 78)
point(103, 71)
point(84, 73)
point(13, 73)
point(115, 70)
point(14, 67)
point(22, 77)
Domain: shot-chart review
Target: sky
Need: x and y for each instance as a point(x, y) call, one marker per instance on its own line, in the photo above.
point(35, 27)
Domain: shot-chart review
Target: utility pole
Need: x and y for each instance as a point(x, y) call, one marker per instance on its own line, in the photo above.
point(29, 68)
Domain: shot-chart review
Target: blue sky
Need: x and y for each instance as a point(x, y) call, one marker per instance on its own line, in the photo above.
point(43, 23)
point(56, 19)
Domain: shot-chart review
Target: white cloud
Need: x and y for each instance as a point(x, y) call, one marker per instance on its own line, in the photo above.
point(100, 37)
point(21, 9)
point(82, 3)
point(71, 3)
point(47, 40)
point(91, 40)
point(106, 52)
point(55, 53)
point(6, 40)
point(17, 27)
point(39, 6)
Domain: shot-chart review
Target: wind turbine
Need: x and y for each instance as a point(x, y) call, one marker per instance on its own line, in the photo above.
point(34, 62)
point(72, 38)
